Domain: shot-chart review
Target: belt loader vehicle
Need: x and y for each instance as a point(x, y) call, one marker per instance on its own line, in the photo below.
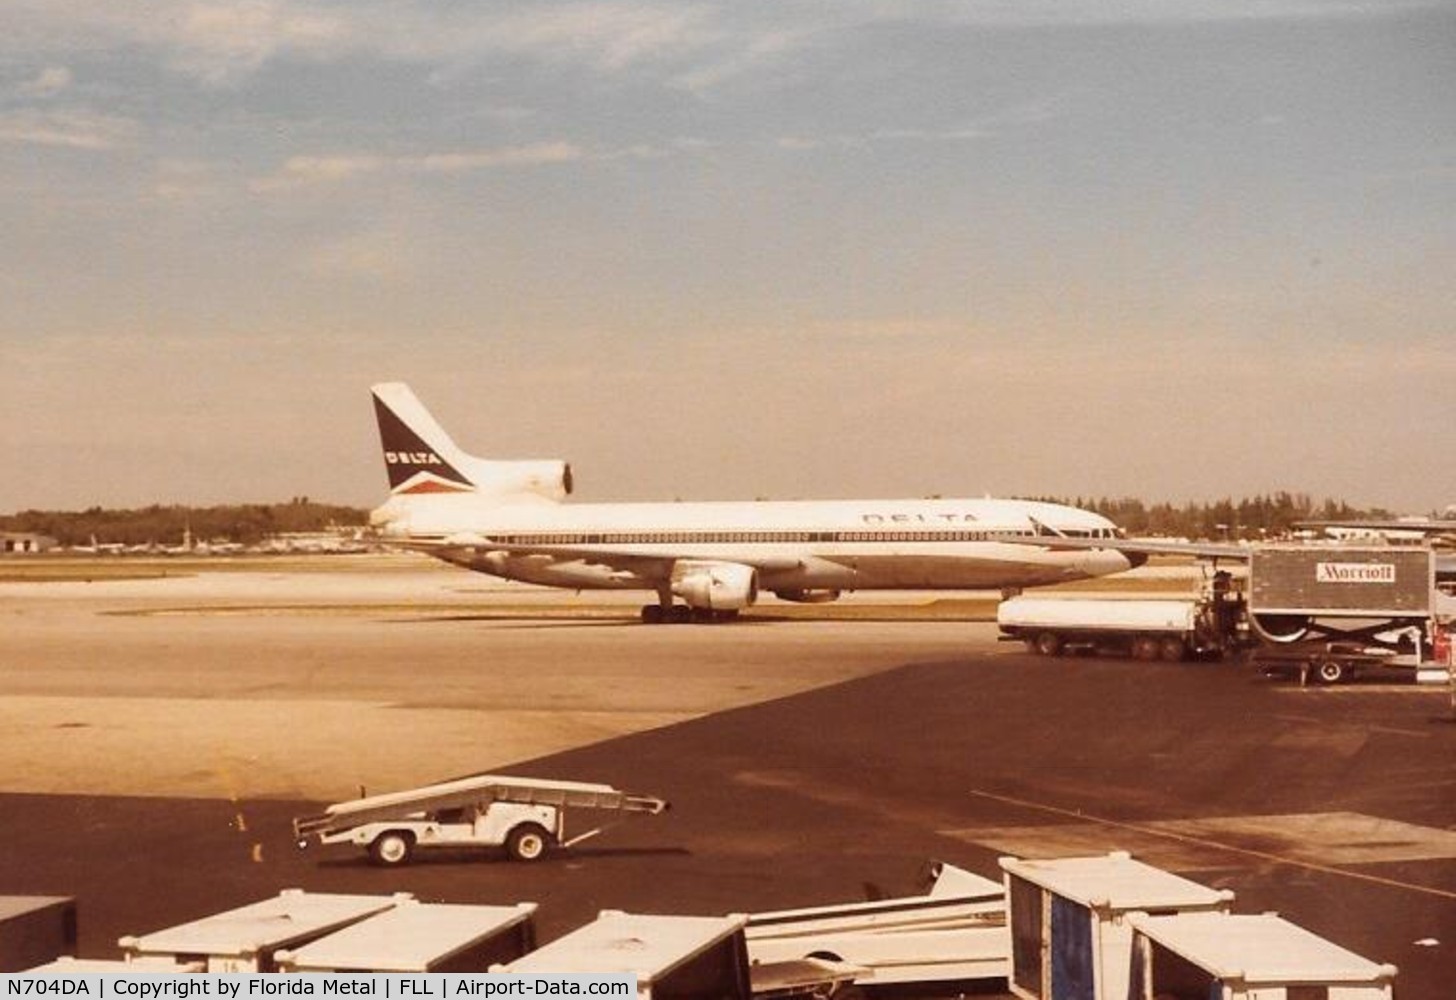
point(526, 816)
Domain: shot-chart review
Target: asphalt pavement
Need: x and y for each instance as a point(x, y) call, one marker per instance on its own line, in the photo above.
point(1335, 807)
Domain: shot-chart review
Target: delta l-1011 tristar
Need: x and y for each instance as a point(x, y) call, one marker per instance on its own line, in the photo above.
point(507, 519)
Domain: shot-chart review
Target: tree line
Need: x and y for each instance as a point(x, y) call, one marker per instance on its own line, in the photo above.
point(247, 524)
point(1270, 515)
point(1266, 516)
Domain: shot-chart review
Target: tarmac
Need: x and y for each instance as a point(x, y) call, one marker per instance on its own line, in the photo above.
point(158, 736)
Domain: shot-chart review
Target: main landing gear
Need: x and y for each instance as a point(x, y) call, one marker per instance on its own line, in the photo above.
point(681, 614)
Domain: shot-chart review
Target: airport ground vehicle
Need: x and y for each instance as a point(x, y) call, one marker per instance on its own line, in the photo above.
point(1331, 612)
point(526, 816)
point(954, 933)
point(1207, 625)
point(1323, 612)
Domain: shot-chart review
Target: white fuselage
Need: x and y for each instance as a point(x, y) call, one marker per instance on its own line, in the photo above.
point(794, 546)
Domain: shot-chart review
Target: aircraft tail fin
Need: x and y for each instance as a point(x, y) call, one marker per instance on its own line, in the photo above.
point(421, 458)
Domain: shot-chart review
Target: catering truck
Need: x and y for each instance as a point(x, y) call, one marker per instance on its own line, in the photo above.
point(1332, 612)
point(1325, 612)
point(1206, 626)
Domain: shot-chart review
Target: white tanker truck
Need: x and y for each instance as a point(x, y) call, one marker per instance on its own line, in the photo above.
point(1326, 611)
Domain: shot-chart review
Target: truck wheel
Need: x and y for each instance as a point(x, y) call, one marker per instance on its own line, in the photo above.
point(1331, 672)
point(1047, 644)
point(391, 848)
point(528, 842)
point(1145, 647)
point(1173, 649)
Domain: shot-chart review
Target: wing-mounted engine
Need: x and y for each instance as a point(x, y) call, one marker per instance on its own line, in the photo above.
point(807, 596)
point(720, 586)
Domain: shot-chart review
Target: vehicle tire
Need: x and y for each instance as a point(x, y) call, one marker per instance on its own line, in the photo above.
point(1173, 649)
point(679, 614)
point(1145, 647)
point(528, 842)
point(1047, 644)
point(652, 614)
point(392, 848)
point(1331, 672)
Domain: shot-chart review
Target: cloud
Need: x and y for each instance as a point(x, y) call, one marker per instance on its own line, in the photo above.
point(216, 41)
point(802, 143)
point(795, 142)
point(48, 82)
point(518, 156)
point(381, 254)
point(694, 45)
point(611, 36)
point(220, 42)
point(70, 129)
point(298, 171)
point(187, 180)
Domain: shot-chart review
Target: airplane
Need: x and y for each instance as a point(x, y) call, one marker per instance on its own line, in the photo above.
point(507, 519)
point(1398, 530)
point(99, 548)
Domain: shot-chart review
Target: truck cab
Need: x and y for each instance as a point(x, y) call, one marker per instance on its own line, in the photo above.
point(526, 832)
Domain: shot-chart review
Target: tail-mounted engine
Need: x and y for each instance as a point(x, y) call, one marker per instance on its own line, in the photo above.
point(548, 479)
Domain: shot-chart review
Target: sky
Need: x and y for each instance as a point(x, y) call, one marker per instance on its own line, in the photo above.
point(1170, 249)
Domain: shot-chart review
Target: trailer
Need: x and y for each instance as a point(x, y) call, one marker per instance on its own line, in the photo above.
point(1331, 613)
point(525, 816)
point(955, 932)
point(1207, 625)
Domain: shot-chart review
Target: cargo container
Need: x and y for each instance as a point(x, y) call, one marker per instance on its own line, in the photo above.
point(672, 957)
point(35, 929)
point(421, 937)
point(1217, 956)
point(1070, 939)
point(246, 939)
point(68, 966)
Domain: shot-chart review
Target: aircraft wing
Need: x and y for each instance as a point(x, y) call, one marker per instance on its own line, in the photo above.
point(1133, 546)
point(644, 562)
point(1445, 562)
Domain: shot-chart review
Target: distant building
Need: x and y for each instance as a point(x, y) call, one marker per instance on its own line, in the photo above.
point(16, 541)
